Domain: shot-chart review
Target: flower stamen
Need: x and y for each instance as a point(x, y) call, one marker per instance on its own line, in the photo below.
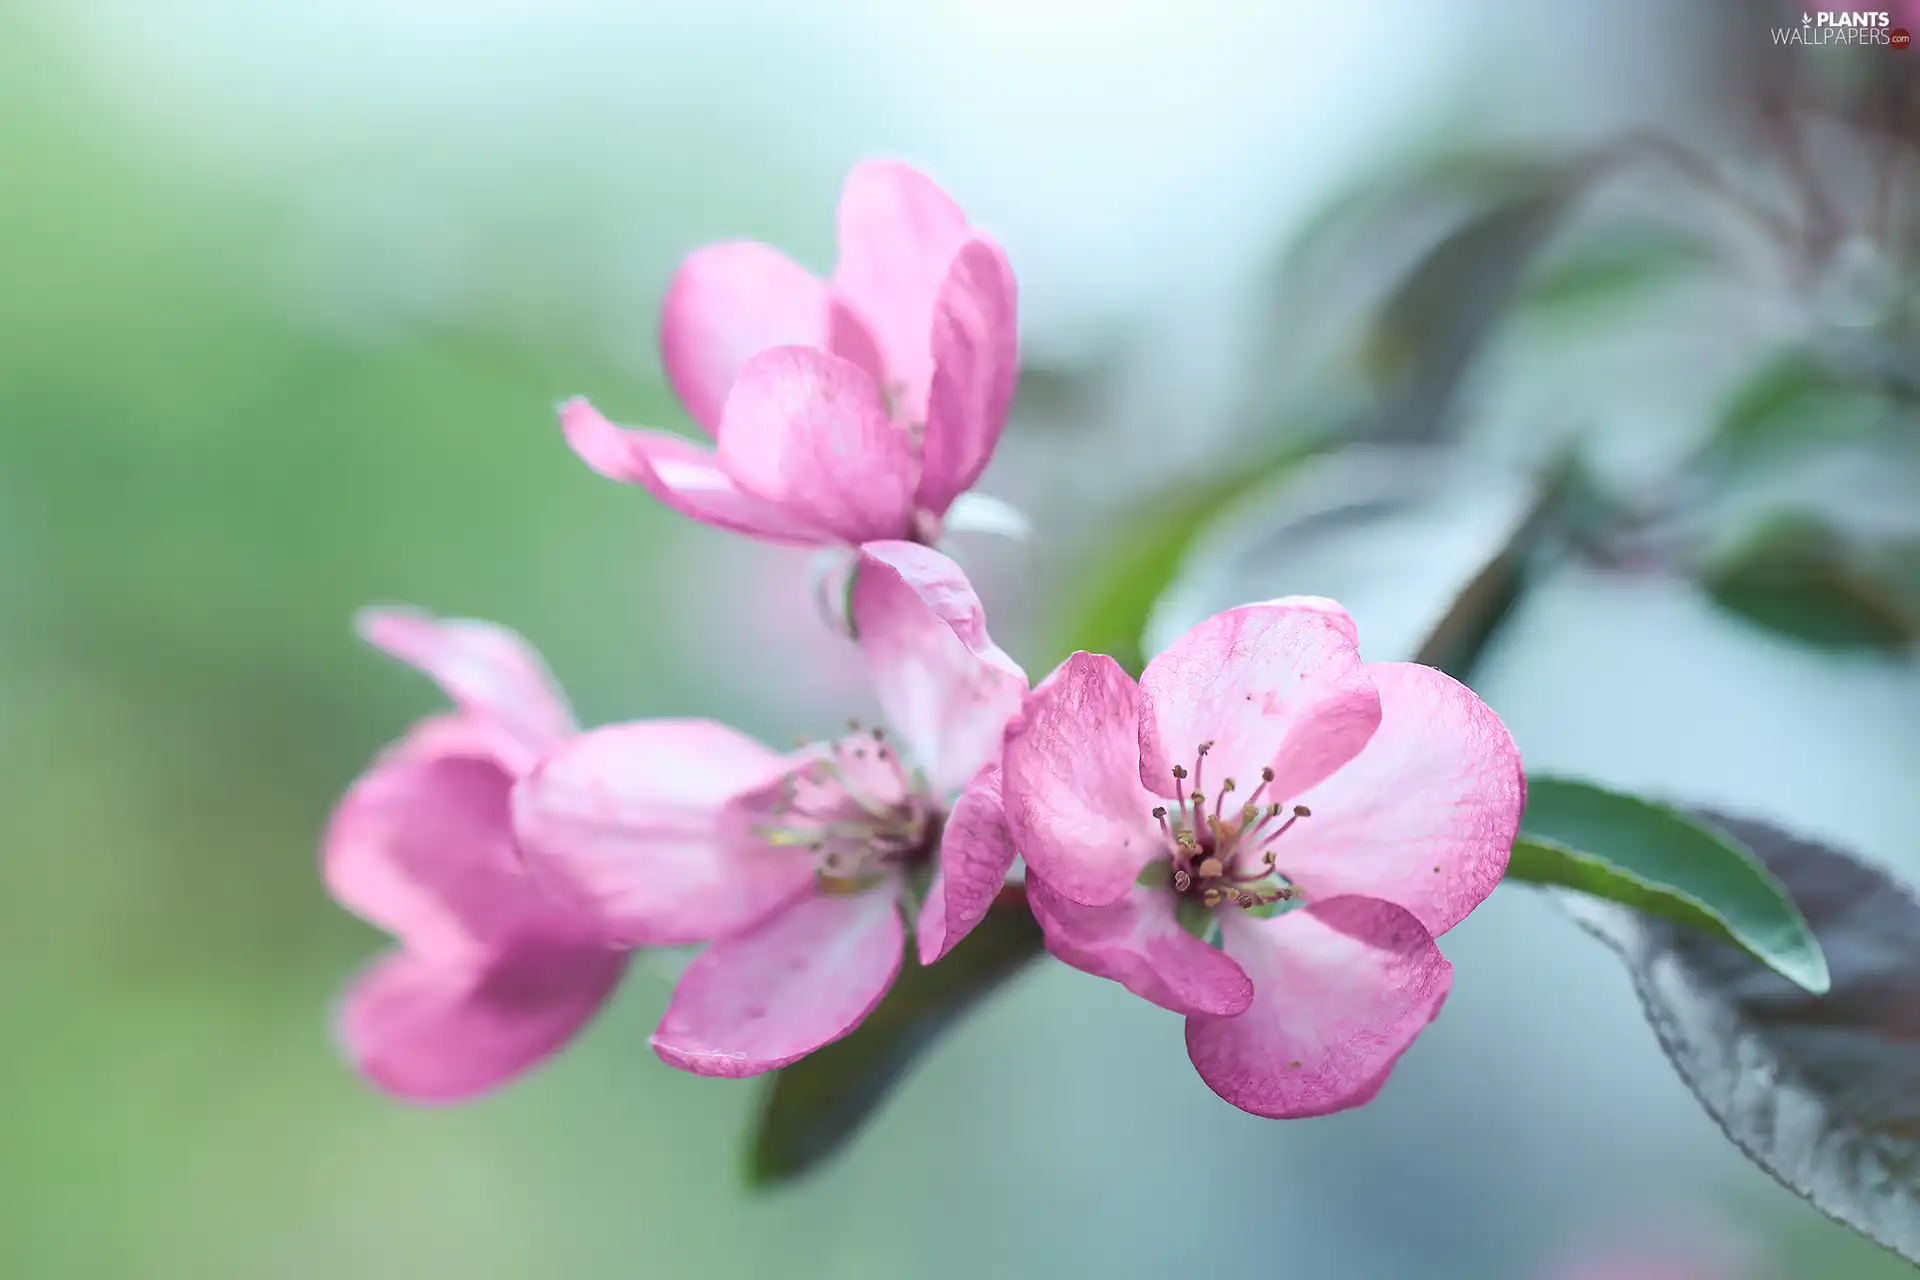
point(1221, 857)
point(858, 808)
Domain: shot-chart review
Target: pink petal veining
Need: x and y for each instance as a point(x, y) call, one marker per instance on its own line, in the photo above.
point(1425, 816)
point(629, 823)
point(1341, 989)
point(808, 433)
point(1071, 777)
point(1274, 685)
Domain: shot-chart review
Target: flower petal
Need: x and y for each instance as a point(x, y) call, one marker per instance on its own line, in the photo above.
point(681, 474)
point(976, 358)
point(727, 302)
point(1332, 609)
point(458, 734)
point(1341, 989)
point(1277, 685)
point(898, 236)
point(629, 823)
point(1074, 802)
point(976, 852)
point(1426, 815)
point(801, 979)
point(1138, 942)
point(488, 671)
point(431, 1032)
point(423, 847)
point(944, 686)
point(807, 432)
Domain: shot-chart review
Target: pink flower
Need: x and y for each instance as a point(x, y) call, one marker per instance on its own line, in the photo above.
point(675, 832)
point(844, 411)
point(1259, 765)
point(491, 975)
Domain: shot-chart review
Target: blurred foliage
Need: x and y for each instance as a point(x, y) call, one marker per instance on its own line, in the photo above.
point(1106, 609)
point(1798, 575)
point(1797, 402)
point(199, 484)
point(1426, 542)
point(1434, 323)
point(1613, 267)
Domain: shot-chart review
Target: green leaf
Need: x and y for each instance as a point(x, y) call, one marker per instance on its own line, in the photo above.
point(1404, 273)
point(1796, 399)
point(1436, 320)
point(1658, 861)
point(1800, 576)
point(1613, 266)
point(1397, 203)
point(1822, 1091)
point(814, 1107)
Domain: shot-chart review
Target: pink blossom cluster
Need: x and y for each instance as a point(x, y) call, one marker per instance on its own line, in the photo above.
point(1263, 833)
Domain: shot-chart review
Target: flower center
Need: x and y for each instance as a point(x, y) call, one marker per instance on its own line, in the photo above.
point(1221, 855)
point(859, 810)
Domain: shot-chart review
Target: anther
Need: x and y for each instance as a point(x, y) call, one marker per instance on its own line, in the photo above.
point(1211, 897)
point(1182, 881)
point(1205, 747)
point(1197, 799)
point(1212, 869)
point(1179, 771)
point(879, 734)
point(1160, 811)
point(1301, 811)
point(1266, 775)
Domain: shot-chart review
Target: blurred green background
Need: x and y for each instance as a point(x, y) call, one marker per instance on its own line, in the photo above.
point(286, 300)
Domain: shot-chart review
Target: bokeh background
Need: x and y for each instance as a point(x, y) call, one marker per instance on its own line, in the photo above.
point(287, 296)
